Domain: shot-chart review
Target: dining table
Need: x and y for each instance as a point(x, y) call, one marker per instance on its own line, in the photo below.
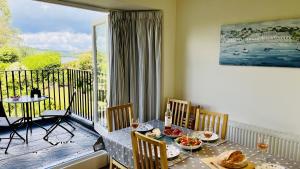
point(27, 116)
point(118, 145)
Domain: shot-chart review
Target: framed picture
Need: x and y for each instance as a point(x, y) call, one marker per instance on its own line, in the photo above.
point(271, 43)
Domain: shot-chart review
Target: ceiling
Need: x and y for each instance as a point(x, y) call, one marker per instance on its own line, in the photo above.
point(102, 5)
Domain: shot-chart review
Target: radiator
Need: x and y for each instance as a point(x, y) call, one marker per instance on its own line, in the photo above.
point(281, 144)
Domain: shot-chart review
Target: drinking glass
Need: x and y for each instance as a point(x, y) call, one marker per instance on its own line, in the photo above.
point(208, 132)
point(189, 136)
point(134, 123)
point(262, 146)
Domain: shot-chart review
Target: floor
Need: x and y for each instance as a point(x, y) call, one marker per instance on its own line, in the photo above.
point(39, 153)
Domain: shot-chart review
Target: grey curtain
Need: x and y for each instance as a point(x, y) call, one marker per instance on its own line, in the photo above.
point(135, 61)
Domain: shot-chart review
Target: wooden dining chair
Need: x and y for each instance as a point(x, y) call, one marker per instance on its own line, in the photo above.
point(148, 153)
point(119, 117)
point(217, 121)
point(113, 164)
point(180, 110)
point(192, 118)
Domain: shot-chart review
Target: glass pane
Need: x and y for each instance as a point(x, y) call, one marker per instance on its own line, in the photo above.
point(102, 66)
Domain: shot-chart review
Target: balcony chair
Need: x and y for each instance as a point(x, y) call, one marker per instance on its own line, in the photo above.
point(13, 123)
point(61, 116)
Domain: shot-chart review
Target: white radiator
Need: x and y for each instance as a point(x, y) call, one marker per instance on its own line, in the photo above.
point(281, 144)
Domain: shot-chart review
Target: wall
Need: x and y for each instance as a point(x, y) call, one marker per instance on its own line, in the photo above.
point(263, 96)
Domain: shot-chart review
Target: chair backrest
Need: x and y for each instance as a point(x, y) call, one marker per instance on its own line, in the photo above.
point(68, 111)
point(180, 110)
point(2, 111)
point(217, 121)
point(148, 153)
point(192, 119)
point(119, 117)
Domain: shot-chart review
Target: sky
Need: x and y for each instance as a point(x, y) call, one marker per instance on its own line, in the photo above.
point(49, 26)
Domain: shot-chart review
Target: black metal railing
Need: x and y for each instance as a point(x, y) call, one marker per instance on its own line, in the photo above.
point(58, 84)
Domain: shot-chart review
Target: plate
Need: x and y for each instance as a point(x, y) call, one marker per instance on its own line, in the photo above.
point(173, 136)
point(172, 151)
point(270, 166)
point(214, 137)
point(144, 127)
point(188, 147)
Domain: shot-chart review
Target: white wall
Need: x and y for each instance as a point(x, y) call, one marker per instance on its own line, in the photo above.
point(263, 96)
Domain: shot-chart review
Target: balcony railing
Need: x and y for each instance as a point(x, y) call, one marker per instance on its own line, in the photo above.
point(59, 85)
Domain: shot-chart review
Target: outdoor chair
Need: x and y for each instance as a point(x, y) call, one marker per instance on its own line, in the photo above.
point(12, 123)
point(61, 116)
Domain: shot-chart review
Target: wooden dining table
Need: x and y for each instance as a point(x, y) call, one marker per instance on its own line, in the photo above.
point(118, 145)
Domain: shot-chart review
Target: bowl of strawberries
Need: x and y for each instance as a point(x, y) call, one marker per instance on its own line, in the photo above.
point(188, 143)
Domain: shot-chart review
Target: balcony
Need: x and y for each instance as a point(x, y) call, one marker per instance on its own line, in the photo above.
point(58, 84)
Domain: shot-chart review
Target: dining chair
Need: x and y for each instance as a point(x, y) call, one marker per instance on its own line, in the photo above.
point(61, 116)
point(217, 121)
point(12, 123)
point(148, 153)
point(113, 164)
point(192, 119)
point(119, 117)
point(180, 110)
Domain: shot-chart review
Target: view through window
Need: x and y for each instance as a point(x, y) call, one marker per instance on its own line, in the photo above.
point(50, 47)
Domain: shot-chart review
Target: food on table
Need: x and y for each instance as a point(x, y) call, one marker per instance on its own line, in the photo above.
point(188, 141)
point(173, 132)
point(208, 134)
point(157, 132)
point(154, 134)
point(262, 146)
point(232, 159)
point(150, 134)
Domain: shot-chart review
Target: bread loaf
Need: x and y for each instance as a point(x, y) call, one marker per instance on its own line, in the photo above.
point(234, 159)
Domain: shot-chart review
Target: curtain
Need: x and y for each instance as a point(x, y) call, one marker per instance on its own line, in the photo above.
point(135, 61)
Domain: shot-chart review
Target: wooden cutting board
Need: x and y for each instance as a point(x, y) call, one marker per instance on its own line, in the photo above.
point(213, 159)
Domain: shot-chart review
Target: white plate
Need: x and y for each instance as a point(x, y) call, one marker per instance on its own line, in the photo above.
point(188, 147)
point(172, 151)
point(270, 166)
point(144, 127)
point(214, 137)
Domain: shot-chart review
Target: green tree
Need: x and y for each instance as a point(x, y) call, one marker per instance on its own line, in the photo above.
point(44, 60)
point(7, 34)
point(8, 54)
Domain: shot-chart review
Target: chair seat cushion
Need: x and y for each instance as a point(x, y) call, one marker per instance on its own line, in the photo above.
point(53, 113)
point(3, 121)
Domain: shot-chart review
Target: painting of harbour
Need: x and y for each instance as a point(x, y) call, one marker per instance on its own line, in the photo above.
point(271, 43)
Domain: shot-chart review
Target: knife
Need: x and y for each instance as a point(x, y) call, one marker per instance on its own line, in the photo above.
point(212, 163)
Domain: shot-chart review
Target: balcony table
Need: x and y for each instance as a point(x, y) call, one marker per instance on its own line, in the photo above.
point(118, 145)
point(27, 116)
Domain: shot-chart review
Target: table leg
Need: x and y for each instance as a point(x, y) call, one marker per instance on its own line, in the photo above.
point(27, 120)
